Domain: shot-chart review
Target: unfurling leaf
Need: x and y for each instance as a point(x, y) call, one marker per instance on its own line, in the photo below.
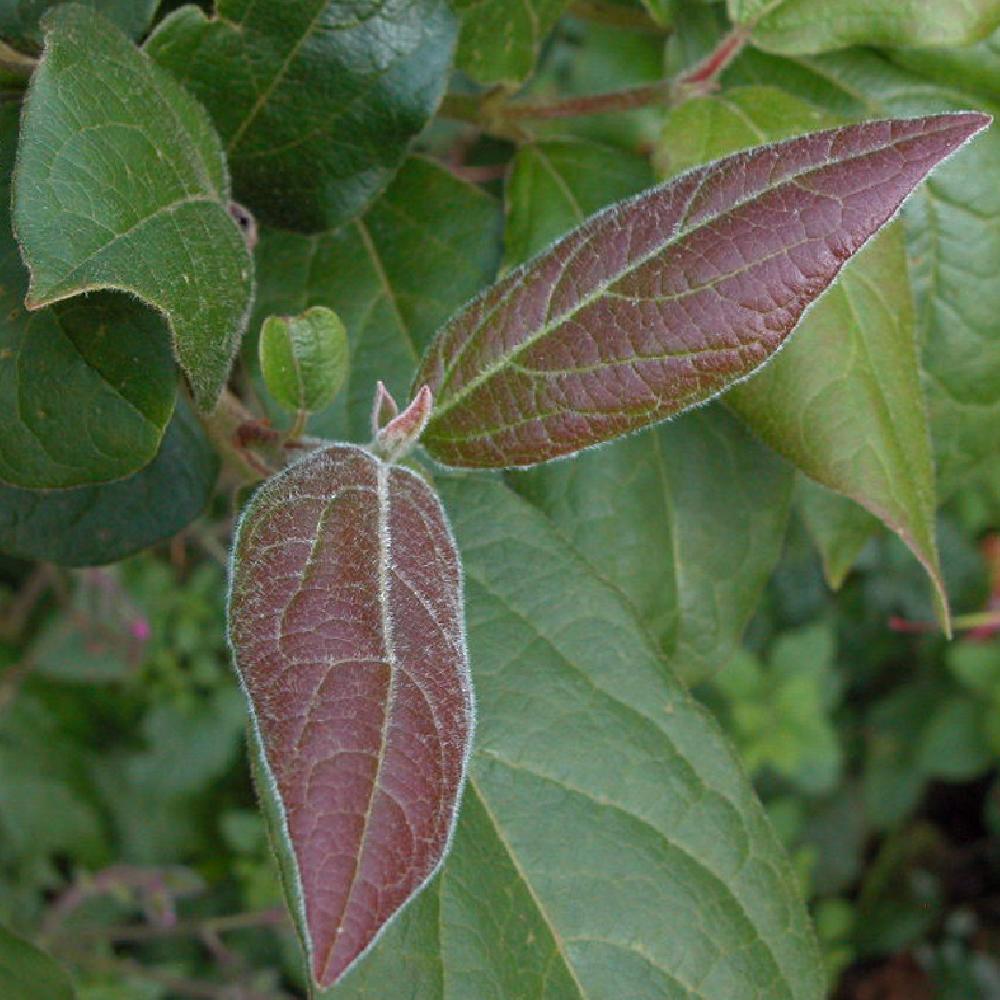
point(346, 626)
point(121, 183)
point(304, 358)
point(661, 302)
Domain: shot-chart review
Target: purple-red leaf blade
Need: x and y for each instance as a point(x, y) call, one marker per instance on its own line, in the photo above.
point(346, 627)
point(663, 301)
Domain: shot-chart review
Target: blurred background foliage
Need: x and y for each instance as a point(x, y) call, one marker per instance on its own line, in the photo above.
point(130, 842)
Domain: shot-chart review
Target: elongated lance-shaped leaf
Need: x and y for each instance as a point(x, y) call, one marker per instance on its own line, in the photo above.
point(346, 625)
point(661, 302)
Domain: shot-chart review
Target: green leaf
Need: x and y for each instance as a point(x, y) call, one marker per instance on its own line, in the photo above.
point(953, 233)
point(77, 406)
point(608, 845)
point(499, 41)
point(843, 401)
point(974, 69)
point(101, 524)
point(806, 26)
point(121, 183)
point(652, 513)
point(304, 358)
point(28, 973)
point(19, 19)
point(553, 186)
point(839, 527)
point(428, 244)
point(317, 100)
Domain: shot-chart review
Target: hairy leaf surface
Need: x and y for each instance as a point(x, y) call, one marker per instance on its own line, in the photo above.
point(92, 525)
point(844, 401)
point(660, 303)
point(77, 405)
point(346, 626)
point(121, 183)
point(422, 250)
point(28, 973)
point(952, 231)
point(609, 843)
point(19, 19)
point(317, 100)
point(653, 513)
point(802, 26)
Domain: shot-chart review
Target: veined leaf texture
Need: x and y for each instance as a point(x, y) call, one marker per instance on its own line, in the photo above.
point(346, 623)
point(661, 302)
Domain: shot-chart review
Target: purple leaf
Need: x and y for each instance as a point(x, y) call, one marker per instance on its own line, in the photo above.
point(662, 301)
point(346, 626)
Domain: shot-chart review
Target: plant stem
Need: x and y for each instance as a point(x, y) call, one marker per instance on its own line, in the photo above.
point(276, 916)
point(493, 113)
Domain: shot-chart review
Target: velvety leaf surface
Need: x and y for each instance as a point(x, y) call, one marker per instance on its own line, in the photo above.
point(844, 401)
point(803, 26)
point(609, 844)
point(346, 625)
point(19, 19)
point(653, 513)
point(425, 247)
point(92, 525)
point(121, 183)
point(304, 358)
point(76, 406)
point(499, 42)
point(28, 973)
point(953, 233)
point(317, 100)
point(660, 303)
point(839, 527)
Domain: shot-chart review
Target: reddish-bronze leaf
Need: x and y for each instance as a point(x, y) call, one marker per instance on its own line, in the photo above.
point(346, 626)
point(662, 301)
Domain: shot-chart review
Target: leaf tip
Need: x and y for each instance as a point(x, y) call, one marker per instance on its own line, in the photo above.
point(403, 431)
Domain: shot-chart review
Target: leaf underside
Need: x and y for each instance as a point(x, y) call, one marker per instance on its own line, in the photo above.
point(661, 302)
point(346, 624)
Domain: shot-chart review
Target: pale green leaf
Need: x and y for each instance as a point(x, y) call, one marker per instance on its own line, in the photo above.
point(808, 26)
point(843, 401)
point(953, 235)
point(839, 527)
point(317, 101)
point(609, 844)
point(428, 244)
point(121, 183)
point(87, 387)
point(304, 358)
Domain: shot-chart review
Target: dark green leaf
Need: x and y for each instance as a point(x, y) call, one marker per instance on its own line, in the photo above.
point(499, 41)
point(609, 845)
point(428, 244)
point(101, 524)
point(28, 973)
point(19, 19)
point(317, 101)
point(86, 388)
point(121, 183)
point(820, 25)
point(843, 402)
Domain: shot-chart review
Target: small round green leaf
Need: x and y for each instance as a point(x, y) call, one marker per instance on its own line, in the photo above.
point(304, 358)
